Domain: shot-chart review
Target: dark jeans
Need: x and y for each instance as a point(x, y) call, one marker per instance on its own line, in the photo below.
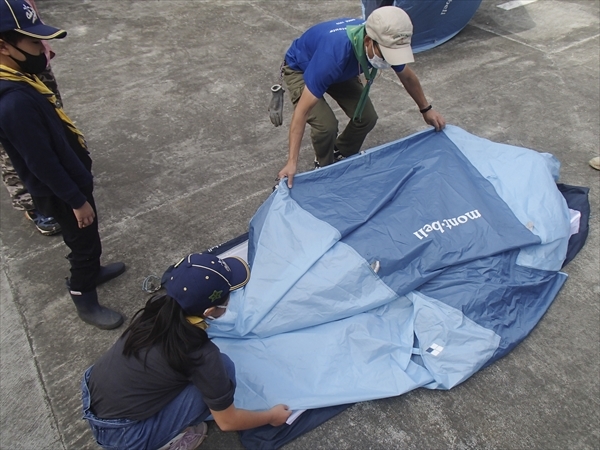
point(84, 243)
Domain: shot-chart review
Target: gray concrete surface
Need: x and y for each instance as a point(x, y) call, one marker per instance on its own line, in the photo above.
point(172, 96)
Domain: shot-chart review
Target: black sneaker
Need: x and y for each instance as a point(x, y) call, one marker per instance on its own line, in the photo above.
point(45, 225)
point(337, 156)
point(317, 165)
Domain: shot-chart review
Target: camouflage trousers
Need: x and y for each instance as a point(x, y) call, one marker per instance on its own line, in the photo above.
point(20, 197)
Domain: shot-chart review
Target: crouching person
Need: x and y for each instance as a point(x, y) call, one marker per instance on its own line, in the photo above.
point(163, 377)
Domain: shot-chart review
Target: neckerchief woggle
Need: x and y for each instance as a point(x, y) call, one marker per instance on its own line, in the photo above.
point(6, 73)
point(356, 34)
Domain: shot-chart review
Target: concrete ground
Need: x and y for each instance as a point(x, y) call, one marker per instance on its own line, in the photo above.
point(172, 96)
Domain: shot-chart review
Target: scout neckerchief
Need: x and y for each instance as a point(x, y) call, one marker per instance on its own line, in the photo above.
point(6, 73)
point(197, 321)
point(356, 33)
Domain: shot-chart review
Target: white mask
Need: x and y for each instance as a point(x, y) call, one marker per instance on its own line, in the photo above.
point(377, 62)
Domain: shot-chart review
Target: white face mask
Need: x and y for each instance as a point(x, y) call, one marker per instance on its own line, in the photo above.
point(377, 62)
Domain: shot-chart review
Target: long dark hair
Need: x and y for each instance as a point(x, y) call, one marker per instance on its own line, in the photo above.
point(163, 323)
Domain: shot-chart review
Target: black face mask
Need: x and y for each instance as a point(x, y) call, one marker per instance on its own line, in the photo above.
point(32, 64)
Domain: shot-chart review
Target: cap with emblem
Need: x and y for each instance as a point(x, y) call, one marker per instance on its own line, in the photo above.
point(392, 29)
point(201, 280)
point(20, 16)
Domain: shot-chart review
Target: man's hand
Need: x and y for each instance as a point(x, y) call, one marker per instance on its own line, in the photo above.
point(288, 171)
point(85, 215)
point(280, 415)
point(435, 119)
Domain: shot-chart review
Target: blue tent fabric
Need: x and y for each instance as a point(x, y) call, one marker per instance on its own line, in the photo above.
point(413, 264)
point(400, 179)
point(485, 305)
point(577, 199)
point(271, 438)
point(434, 21)
point(464, 256)
point(516, 297)
point(513, 171)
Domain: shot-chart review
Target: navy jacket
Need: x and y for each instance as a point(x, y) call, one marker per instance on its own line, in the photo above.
point(45, 154)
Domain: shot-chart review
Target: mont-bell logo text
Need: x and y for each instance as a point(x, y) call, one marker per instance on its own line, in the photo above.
point(446, 224)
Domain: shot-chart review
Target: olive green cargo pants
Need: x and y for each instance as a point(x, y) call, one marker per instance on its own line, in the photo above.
point(322, 120)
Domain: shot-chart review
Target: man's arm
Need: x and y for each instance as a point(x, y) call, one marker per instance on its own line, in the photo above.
point(305, 104)
point(411, 83)
point(233, 419)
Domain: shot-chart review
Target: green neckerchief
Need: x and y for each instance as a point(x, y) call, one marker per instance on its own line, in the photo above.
point(356, 34)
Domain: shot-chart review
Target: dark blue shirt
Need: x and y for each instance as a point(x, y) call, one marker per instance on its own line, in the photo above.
point(45, 154)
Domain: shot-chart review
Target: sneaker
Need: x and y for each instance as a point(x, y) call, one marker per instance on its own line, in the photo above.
point(45, 225)
point(191, 438)
point(337, 156)
point(317, 165)
point(595, 162)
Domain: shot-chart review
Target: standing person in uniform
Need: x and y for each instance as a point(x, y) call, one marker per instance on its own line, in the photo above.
point(20, 197)
point(50, 155)
point(328, 58)
point(164, 377)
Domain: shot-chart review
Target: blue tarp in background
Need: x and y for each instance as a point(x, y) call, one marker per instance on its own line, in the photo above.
point(434, 21)
point(469, 237)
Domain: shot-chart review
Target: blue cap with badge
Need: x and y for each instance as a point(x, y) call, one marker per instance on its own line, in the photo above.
point(201, 280)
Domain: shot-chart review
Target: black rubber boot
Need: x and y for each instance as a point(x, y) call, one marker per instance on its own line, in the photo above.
point(90, 311)
point(109, 272)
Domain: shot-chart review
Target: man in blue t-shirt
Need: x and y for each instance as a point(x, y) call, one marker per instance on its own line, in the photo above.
point(328, 58)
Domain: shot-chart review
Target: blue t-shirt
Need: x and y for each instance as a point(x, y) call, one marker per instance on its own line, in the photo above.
point(325, 55)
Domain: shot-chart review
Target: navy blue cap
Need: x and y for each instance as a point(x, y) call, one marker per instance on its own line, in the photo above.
point(20, 16)
point(202, 280)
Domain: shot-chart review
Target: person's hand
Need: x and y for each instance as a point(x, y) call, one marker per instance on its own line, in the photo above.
point(435, 119)
point(288, 171)
point(276, 105)
point(280, 415)
point(85, 215)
